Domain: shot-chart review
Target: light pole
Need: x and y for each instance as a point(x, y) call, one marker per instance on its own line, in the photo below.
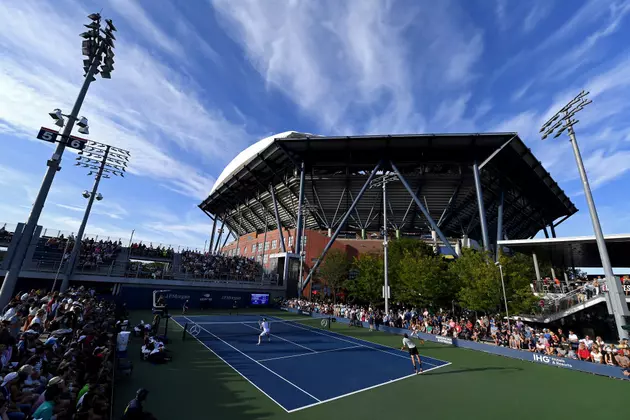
point(98, 47)
point(507, 313)
point(103, 161)
point(382, 182)
point(561, 121)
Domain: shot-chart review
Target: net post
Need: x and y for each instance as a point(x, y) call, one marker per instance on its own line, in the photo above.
point(185, 331)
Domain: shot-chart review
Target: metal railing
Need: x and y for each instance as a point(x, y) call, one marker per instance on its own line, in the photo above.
point(558, 303)
point(142, 271)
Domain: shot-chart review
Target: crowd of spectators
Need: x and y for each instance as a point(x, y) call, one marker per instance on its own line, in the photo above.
point(94, 253)
point(208, 265)
point(143, 250)
point(56, 356)
point(514, 334)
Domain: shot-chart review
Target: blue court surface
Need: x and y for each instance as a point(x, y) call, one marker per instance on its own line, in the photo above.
point(303, 365)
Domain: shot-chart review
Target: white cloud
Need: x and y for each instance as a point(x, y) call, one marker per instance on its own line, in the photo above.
point(146, 108)
point(604, 167)
point(349, 64)
point(585, 51)
point(137, 18)
point(537, 12)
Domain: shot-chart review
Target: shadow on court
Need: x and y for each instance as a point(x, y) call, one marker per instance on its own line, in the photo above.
point(195, 385)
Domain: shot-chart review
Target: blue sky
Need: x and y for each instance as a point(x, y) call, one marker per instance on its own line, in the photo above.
point(197, 81)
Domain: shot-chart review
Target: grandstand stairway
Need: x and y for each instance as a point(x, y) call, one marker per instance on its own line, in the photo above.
point(120, 264)
point(561, 306)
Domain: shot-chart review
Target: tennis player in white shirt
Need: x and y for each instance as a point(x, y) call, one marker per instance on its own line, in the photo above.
point(264, 326)
point(413, 351)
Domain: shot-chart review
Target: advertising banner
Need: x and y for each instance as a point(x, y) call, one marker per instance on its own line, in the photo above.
point(142, 298)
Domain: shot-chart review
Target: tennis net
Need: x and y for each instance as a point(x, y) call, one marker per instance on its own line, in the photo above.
point(297, 326)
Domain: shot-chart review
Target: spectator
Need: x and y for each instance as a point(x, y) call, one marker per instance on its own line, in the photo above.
point(486, 328)
point(135, 410)
point(50, 371)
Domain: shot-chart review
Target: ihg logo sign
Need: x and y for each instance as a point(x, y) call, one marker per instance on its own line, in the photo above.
point(543, 359)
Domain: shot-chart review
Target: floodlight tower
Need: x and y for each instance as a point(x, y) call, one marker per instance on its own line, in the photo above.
point(97, 47)
point(561, 121)
point(382, 182)
point(103, 161)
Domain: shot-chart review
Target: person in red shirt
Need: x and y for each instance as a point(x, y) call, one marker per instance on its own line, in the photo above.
point(583, 353)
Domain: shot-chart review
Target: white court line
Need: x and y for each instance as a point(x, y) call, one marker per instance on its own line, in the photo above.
point(309, 354)
point(233, 368)
point(258, 363)
point(365, 389)
point(283, 339)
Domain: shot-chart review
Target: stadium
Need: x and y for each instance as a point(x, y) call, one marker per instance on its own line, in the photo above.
point(467, 190)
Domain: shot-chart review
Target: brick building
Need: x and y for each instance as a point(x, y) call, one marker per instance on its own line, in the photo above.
point(252, 245)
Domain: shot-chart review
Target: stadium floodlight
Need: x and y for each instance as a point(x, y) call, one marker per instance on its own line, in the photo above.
point(101, 164)
point(566, 122)
point(56, 115)
point(94, 47)
point(84, 130)
point(82, 122)
point(108, 33)
point(110, 25)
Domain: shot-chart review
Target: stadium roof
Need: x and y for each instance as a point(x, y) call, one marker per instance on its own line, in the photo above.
point(438, 166)
point(577, 251)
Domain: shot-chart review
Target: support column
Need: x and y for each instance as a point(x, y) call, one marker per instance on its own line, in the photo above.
point(566, 278)
point(214, 227)
point(219, 233)
point(264, 247)
point(424, 211)
point(341, 224)
point(238, 236)
point(537, 269)
point(499, 225)
point(278, 224)
point(300, 215)
point(482, 211)
point(553, 230)
point(225, 240)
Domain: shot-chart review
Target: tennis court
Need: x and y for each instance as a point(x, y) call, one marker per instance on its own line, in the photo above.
point(306, 363)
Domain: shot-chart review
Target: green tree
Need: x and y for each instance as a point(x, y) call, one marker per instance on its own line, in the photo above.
point(424, 280)
point(367, 285)
point(479, 281)
point(334, 270)
point(518, 275)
